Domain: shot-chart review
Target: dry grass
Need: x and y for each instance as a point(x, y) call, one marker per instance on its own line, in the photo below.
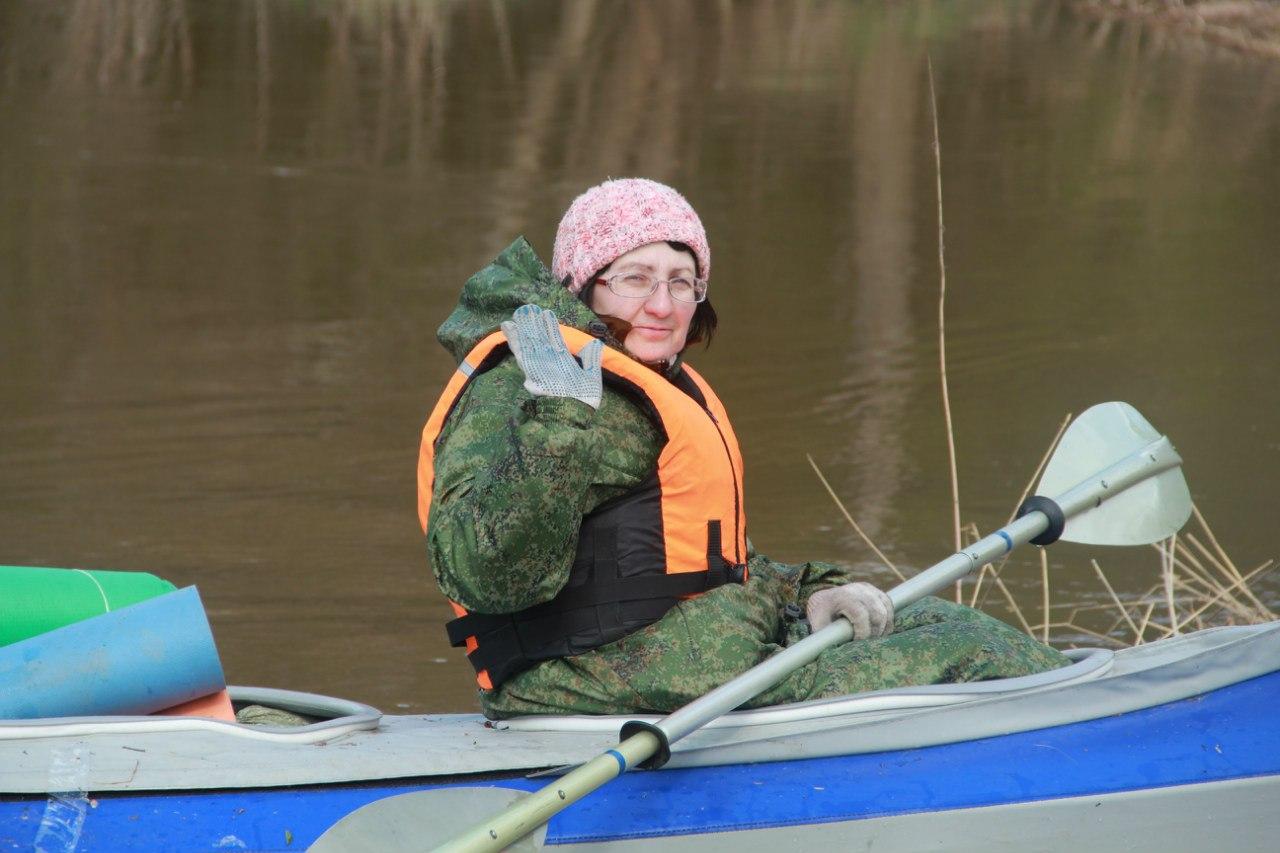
point(1196, 588)
point(1197, 585)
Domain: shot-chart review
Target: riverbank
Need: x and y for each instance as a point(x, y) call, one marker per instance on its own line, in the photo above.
point(1247, 27)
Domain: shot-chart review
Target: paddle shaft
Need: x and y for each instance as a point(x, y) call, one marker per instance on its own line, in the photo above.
point(523, 817)
point(531, 812)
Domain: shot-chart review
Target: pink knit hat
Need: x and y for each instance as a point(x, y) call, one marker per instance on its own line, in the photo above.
point(611, 219)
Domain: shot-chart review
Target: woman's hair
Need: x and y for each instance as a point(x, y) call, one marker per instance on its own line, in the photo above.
point(703, 325)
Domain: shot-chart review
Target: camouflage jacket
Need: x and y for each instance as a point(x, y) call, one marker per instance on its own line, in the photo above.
point(514, 476)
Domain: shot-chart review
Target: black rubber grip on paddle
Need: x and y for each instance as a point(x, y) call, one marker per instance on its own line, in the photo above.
point(659, 758)
point(1051, 510)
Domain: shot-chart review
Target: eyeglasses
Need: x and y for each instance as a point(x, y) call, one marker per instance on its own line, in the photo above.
point(638, 285)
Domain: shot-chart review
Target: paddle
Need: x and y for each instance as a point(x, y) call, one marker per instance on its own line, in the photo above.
point(1115, 481)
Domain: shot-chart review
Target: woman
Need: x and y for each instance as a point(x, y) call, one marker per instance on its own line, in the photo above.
point(585, 514)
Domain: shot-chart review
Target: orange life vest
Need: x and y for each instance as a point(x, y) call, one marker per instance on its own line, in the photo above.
point(679, 533)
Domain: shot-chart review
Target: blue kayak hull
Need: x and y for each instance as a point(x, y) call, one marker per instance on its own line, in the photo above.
point(1179, 750)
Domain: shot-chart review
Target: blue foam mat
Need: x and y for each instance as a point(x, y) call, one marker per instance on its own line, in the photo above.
point(136, 660)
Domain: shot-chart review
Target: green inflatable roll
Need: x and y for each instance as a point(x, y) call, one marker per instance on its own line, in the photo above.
point(36, 600)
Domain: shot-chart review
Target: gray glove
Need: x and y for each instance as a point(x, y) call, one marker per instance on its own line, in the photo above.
point(550, 370)
point(869, 610)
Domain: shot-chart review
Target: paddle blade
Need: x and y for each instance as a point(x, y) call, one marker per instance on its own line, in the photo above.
point(1149, 511)
point(419, 821)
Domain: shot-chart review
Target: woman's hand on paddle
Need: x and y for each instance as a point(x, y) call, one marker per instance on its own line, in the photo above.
point(868, 609)
point(550, 370)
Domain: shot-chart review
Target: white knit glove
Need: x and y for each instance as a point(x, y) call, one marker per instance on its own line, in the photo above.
point(550, 370)
point(869, 610)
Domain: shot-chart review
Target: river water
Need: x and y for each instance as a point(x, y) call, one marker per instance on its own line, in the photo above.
point(229, 230)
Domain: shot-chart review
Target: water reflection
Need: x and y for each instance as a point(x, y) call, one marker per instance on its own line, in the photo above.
point(878, 369)
point(110, 44)
point(228, 231)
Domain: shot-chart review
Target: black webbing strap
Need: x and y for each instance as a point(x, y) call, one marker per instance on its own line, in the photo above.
point(498, 646)
point(715, 557)
point(500, 638)
point(479, 625)
point(498, 649)
point(714, 554)
point(500, 654)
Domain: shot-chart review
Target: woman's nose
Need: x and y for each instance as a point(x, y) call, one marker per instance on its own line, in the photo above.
point(659, 302)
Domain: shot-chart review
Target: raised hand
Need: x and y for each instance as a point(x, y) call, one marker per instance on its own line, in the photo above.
point(550, 370)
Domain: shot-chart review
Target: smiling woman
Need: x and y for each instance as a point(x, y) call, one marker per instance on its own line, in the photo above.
point(658, 310)
point(585, 515)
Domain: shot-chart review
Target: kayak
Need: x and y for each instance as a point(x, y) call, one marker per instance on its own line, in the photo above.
point(1173, 744)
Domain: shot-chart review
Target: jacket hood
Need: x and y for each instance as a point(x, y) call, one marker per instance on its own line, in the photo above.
point(516, 277)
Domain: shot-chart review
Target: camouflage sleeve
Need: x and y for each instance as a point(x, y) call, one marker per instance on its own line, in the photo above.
point(804, 579)
point(818, 575)
point(512, 479)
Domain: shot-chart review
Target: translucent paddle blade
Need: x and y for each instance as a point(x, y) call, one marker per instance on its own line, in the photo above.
point(1149, 511)
point(421, 820)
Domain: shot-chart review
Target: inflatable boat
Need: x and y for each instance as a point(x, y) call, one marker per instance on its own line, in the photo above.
point(1173, 745)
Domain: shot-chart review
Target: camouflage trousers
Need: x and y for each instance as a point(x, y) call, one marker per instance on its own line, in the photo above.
point(933, 642)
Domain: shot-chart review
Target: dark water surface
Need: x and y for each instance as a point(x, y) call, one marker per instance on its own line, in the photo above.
point(229, 230)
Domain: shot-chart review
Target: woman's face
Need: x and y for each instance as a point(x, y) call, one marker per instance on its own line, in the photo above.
point(659, 324)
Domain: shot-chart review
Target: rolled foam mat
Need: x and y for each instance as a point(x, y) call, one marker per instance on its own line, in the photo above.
point(35, 600)
point(217, 705)
point(137, 660)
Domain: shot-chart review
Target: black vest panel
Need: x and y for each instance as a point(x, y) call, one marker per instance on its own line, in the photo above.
point(618, 585)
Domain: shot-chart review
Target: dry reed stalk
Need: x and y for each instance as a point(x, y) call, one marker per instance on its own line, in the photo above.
point(942, 319)
point(1080, 629)
point(1210, 558)
point(1044, 460)
point(1192, 597)
point(1227, 561)
point(1044, 584)
point(1147, 597)
point(1211, 586)
point(977, 583)
point(1195, 589)
point(852, 523)
point(1265, 567)
point(1187, 553)
point(1124, 611)
point(1166, 573)
point(1013, 606)
point(1227, 574)
point(1146, 620)
point(1186, 560)
point(1224, 600)
point(1105, 605)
